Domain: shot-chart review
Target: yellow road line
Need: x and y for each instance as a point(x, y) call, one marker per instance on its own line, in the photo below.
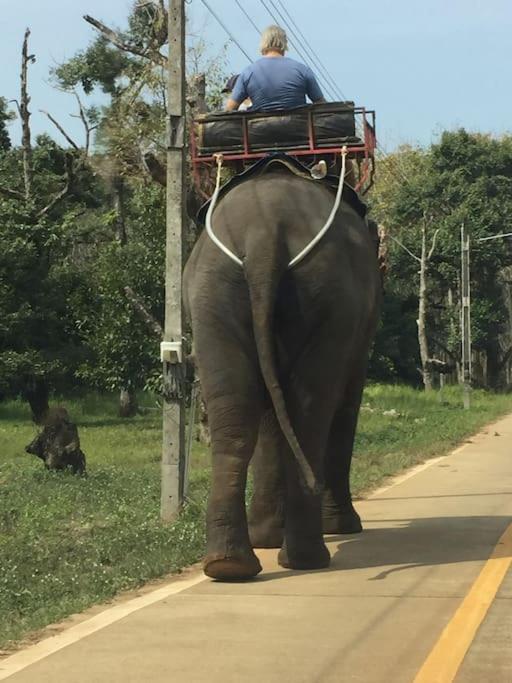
point(443, 662)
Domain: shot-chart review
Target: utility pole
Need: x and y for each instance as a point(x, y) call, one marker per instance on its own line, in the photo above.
point(173, 446)
point(465, 316)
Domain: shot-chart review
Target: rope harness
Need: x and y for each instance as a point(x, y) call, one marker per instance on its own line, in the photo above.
point(301, 255)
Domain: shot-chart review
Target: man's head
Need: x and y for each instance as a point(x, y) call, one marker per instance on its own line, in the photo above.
point(273, 39)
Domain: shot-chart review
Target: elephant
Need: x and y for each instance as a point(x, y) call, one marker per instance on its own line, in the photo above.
point(281, 354)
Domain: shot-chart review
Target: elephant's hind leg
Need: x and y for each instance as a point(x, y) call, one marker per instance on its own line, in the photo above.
point(303, 546)
point(312, 391)
point(233, 392)
point(266, 513)
point(338, 513)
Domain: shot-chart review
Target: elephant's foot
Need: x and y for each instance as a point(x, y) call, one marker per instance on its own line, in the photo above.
point(317, 557)
point(233, 567)
point(266, 536)
point(336, 522)
point(266, 520)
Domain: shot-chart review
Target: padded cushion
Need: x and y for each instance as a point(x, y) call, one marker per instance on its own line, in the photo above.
point(333, 125)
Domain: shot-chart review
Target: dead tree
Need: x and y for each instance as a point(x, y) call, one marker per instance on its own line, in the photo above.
point(157, 36)
point(427, 363)
point(36, 391)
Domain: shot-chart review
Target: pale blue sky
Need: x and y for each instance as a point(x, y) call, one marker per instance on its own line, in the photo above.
point(423, 65)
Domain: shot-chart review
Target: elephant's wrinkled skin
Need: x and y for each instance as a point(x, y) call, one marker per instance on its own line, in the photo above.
point(282, 357)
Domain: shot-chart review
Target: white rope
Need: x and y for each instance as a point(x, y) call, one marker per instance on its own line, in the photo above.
point(308, 247)
point(209, 215)
point(332, 215)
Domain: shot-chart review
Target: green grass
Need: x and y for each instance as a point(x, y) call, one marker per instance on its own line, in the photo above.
point(68, 542)
point(424, 425)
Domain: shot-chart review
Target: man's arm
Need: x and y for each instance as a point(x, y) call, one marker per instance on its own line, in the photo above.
point(313, 90)
point(232, 105)
point(239, 93)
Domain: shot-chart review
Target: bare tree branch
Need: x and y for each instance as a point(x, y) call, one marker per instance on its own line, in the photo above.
point(443, 347)
point(12, 194)
point(405, 248)
point(87, 126)
point(17, 106)
point(151, 54)
point(24, 112)
point(60, 129)
point(433, 245)
point(65, 190)
point(143, 312)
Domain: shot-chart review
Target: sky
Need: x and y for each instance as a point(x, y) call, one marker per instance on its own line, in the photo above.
point(424, 66)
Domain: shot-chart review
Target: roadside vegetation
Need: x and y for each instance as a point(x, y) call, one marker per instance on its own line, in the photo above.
point(68, 542)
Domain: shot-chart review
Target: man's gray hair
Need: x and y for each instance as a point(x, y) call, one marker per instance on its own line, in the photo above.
point(273, 38)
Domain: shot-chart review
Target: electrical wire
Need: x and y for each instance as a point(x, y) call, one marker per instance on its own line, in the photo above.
point(325, 76)
point(248, 16)
point(312, 54)
point(326, 85)
point(321, 67)
point(235, 41)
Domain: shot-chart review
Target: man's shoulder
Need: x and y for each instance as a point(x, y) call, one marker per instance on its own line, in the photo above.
point(296, 66)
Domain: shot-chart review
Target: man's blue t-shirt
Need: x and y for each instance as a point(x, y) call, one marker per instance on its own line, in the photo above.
point(276, 83)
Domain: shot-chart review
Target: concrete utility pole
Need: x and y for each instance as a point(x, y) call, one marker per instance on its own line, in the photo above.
point(465, 316)
point(173, 451)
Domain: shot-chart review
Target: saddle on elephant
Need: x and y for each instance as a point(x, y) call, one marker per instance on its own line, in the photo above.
point(313, 134)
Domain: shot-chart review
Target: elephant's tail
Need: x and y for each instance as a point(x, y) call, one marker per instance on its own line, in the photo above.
point(262, 292)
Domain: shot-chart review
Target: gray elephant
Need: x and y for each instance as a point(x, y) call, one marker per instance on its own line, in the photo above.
point(281, 355)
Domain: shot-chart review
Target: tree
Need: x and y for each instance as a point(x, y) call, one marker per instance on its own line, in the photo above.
point(125, 352)
point(464, 177)
point(5, 117)
point(43, 191)
point(127, 65)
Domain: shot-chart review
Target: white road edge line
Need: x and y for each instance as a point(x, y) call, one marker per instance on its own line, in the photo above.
point(44, 648)
point(49, 646)
point(414, 471)
point(408, 475)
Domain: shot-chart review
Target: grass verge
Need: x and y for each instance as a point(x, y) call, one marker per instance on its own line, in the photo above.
point(67, 542)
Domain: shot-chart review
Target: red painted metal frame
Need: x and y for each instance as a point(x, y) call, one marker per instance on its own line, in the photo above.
point(363, 151)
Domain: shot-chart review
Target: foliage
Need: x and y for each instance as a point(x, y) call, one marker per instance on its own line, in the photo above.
point(135, 117)
point(125, 352)
point(464, 178)
point(101, 65)
point(38, 336)
point(5, 117)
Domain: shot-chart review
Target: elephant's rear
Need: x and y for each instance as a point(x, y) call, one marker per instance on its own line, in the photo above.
point(266, 331)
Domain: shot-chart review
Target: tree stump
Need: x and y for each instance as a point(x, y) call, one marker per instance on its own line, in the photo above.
point(58, 444)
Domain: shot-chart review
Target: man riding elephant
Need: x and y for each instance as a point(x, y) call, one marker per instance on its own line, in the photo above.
point(281, 354)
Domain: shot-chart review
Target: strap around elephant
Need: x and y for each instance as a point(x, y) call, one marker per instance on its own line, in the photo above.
point(311, 245)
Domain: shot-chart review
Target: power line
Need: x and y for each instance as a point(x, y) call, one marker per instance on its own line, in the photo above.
point(226, 29)
point(321, 67)
point(315, 58)
point(248, 16)
point(308, 60)
point(298, 50)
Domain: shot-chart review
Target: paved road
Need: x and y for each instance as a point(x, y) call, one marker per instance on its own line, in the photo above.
point(374, 617)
